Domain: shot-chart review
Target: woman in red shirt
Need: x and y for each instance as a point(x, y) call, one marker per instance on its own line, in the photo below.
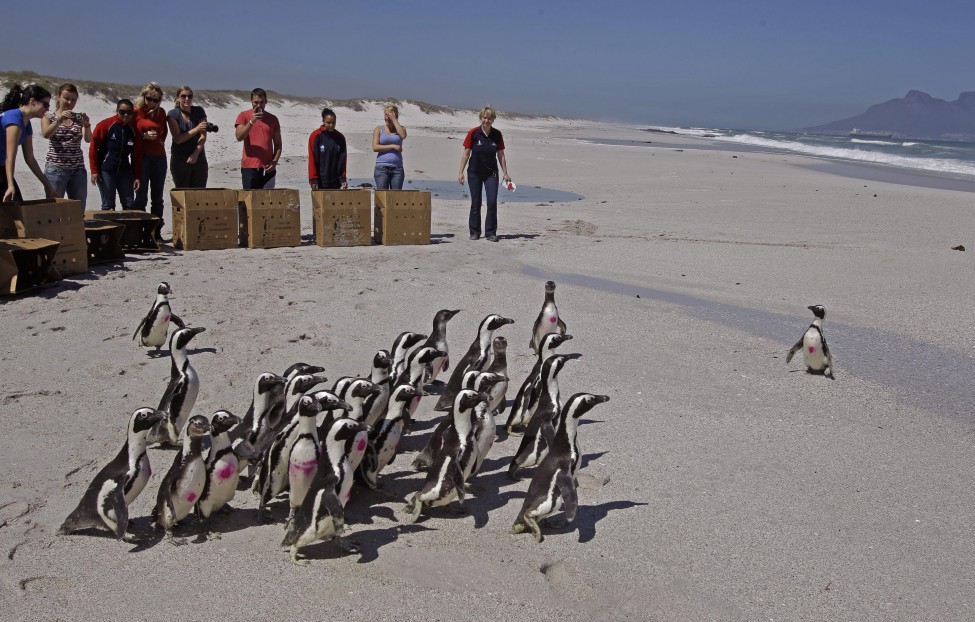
point(150, 123)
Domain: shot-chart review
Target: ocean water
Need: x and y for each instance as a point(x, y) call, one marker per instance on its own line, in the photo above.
point(944, 158)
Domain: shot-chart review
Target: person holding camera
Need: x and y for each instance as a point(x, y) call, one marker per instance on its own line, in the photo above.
point(387, 141)
point(327, 156)
point(18, 108)
point(187, 156)
point(150, 124)
point(65, 167)
point(260, 132)
point(484, 149)
point(115, 156)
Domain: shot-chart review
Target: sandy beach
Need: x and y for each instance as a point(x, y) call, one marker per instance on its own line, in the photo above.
point(718, 483)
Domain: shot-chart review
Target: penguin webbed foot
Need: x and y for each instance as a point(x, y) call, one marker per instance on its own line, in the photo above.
point(298, 561)
point(513, 473)
point(413, 509)
point(172, 539)
point(513, 432)
point(535, 528)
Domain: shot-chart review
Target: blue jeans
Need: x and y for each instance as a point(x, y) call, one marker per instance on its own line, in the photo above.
point(112, 182)
point(491, 217)
point(388, 177)
point(154, 174)
point(70, 181)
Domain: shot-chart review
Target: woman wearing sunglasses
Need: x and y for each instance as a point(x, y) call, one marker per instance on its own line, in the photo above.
point(116, 157)
point(188, 126)
point(150, 124)
point(18, 108)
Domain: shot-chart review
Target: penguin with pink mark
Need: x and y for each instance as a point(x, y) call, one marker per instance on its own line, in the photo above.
point(815, 352)
point(548, 320)
point(222, 469)
point(185, 480)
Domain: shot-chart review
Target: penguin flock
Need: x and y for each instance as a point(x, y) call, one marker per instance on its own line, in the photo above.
point(316, 446)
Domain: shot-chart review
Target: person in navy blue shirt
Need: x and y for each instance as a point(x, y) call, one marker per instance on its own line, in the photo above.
point(483, 151)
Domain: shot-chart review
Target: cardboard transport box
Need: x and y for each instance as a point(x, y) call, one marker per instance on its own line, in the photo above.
point(27, 263)
point(269, 218)
point(104, 237)
point(138, 227)
point(402, 217)
point(204, 219)
point(59, 220)
point(341, 217)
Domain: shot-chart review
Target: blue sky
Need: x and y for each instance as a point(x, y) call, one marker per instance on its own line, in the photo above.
point(751, 65)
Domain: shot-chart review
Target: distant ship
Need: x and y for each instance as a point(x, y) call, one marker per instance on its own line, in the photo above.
point(856, 133)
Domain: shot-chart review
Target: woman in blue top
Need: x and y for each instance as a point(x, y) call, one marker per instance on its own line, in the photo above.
point(18, 108)
point(387, 141)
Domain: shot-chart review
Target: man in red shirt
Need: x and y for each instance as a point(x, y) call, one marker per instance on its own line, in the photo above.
point(260, 132)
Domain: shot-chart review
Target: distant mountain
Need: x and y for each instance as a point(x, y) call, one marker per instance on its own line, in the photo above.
point(916, 115)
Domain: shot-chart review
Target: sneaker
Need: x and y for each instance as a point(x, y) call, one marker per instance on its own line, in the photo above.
point(475, 237)
point(492, 238)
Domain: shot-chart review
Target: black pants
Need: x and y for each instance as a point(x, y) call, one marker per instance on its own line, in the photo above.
point(189, 175)
point(257, 178)
point(3, 188)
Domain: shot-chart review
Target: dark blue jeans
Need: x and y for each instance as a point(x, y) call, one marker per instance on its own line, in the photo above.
point(491, 217)
point(153, 174)
point(388, 177)
point(257, 179)
point(112, 182)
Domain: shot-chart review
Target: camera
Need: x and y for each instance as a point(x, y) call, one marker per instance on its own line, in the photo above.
point(212, 127)
point(76, 116)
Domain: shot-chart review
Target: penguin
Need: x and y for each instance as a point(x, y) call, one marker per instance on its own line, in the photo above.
point(293, 391)
point(222, 468)
point(453, 462)
point(183, 484)
point(541, 427)
point(301, 368)
point(322, 514)
point(278, 417)
point(498, 395)
point(255, 428)
point(555, 477)
point(479, 357)
point(485, 425)
point(404, 344)
point(356, 394)
point(815, 352)
point(181, 393)
point(375, 406)
point(527, 398)
point(154, 327)
point(384, 440)
point(438, 340)
point(417, 365)
point(105, 504)
point(273, 475)
point(303, 458)
point(482, 382)
point(548, 320)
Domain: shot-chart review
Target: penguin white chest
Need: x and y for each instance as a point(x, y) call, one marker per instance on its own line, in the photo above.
point(223, 482)
point(812, 349)
point(188, 488)
point(358, 449)
point(302, 468)
point(159, 329)
point(139, 478)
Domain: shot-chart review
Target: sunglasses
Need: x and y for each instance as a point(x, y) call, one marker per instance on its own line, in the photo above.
point(185, 96)
point(125, 113)
point(154, 100)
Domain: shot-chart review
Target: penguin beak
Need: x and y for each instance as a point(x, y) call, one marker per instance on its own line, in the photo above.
point(601, 399)
point(363, 427)
point(344, 405)
point(197, 330)
point(566, 337)
point(507, 320)
point(159, 415)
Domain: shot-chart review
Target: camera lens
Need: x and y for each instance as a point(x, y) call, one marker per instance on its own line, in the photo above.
point(212, 127)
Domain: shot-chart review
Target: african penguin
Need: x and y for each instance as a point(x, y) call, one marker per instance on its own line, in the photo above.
point(255, 429)
point(479, 357)
point(548, 320)
point(321, 515)
point(417, 365)
point(404, 344)
point(555, 477)
point(497, 396)
point(527, 398)
point(181, 392)
point(375, 405)
point(105, 503)
point(222, 468)
point(541, 427)
point(384, 439)
point(183, 484)
point(453, 462)
point(438, 340)
point(154, 327)
point(815, 352)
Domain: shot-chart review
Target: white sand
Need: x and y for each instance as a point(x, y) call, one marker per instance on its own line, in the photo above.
point(719, 483)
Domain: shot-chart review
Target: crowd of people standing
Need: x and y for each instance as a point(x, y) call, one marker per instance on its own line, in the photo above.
point(128, 158)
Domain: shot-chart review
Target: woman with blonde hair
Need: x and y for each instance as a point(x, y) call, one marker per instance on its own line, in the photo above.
point(188, 125)
point(387, 141)
point(65, 166)
point(484, 149)
point(150, 123)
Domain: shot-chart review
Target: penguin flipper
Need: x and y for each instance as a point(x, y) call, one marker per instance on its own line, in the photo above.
point(796, 348)
point(567, 487)
point(561, 326)
point(139, 327)
point(548, 432)
point(115, 503)
point(175, 319)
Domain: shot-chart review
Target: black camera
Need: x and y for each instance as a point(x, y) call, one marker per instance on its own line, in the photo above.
point(212, 127)
point(76, 116)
